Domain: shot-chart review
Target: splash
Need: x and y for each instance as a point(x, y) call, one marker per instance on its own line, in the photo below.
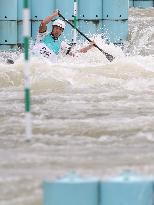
point(135, 60)
point(141, 32)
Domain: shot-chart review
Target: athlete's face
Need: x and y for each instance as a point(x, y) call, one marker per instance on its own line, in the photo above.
point(57, 31)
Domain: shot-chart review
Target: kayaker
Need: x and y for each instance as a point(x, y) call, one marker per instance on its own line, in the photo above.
point(49, 45)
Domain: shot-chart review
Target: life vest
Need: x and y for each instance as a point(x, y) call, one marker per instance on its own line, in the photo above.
point(53, 44)
point(48, 48)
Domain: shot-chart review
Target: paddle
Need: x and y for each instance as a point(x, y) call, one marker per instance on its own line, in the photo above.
point(108, 56)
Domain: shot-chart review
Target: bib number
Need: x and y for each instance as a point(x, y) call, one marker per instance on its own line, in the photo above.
point(44, 52)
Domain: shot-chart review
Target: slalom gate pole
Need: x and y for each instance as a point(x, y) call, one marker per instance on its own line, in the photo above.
point(75, 22)
point(26, 35)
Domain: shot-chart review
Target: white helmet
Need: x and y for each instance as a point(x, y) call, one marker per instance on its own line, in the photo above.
point(59, 23)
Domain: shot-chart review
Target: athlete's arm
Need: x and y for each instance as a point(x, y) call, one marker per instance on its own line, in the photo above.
point(43, 25)
point(85, 49)
point(69, 49)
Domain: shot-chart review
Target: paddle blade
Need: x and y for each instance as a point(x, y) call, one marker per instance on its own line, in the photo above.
point(109, 57)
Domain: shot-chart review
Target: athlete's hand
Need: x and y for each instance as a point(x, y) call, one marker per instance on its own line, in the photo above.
point(55, 13)
point(92, 43)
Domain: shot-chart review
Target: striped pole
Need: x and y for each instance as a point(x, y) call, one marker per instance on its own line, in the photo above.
point(75, 22)
point(26, 35)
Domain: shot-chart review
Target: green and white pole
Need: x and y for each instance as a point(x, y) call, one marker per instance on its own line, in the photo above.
point(75, 22)
point(26, 35)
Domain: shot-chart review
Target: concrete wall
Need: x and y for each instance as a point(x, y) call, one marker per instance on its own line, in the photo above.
point(109, 17)
point(141, 3)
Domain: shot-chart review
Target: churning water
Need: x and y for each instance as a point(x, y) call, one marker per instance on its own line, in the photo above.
point(89, 115)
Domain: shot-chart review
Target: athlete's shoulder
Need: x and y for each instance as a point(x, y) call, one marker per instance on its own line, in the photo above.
point(40, 36)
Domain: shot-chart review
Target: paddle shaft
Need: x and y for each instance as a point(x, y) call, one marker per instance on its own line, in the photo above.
point(106, 54)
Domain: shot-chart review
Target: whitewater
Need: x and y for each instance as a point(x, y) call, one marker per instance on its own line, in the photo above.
point(88, 115)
